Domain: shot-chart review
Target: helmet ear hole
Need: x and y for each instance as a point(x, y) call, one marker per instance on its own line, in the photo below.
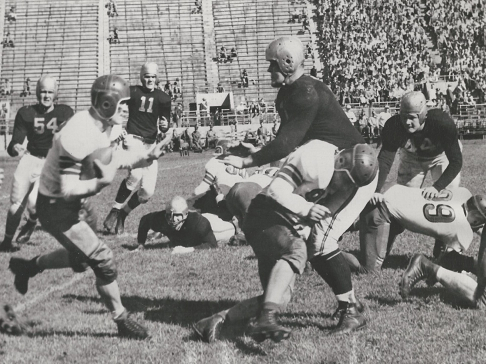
point(106, 92)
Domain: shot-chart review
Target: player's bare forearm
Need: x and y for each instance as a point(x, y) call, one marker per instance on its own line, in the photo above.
point(128, 160)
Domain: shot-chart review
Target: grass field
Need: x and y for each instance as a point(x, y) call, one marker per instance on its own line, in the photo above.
point(169, 293)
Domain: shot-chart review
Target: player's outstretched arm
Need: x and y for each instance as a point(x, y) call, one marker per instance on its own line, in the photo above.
point(127, 160)
point(241, 155)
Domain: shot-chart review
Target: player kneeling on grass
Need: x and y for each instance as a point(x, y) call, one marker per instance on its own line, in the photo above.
point(186, 230)
point(450, 264)
point(451, 217)
point(65, 183)
point(311, 199)
point(38, 123)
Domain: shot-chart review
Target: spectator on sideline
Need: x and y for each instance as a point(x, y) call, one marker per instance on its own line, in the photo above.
point(211, 138)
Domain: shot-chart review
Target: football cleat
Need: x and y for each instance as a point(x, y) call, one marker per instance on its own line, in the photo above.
point(26, 232)
point(110, 220)
point(266, 327)
point(418, 269)
point(129, 328)
point(120, 222)
point(351, 320)
point(340, 310)
point(9, 246)
point(208, 329)
point(23, 270)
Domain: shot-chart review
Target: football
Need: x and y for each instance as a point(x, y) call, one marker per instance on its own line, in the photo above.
point(89, 170)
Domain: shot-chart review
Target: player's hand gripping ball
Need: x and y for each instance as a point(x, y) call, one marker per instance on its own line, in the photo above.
point(89, 169)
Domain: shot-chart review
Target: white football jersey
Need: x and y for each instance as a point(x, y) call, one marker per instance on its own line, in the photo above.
point(226, 175)
point(442, 218)
point(79, 137)
point(306, 169)
point(263, 176)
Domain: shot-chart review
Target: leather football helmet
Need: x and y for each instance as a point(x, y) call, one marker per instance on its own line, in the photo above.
point(107, 93)
point(288, 52)
point(477, 203)
point(149, 68)
point(359, 162)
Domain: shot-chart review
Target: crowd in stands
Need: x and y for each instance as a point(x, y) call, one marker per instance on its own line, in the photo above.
point(375, 51)
point(458, 28)
point(372, 51)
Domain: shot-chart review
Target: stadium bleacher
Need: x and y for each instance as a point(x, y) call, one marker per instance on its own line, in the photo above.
point(64, 38)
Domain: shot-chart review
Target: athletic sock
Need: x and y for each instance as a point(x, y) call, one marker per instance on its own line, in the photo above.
point(334, 269)
point(123, 193)
point(457, 262)
point(132, 203)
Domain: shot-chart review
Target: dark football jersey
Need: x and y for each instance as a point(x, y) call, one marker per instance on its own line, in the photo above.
point(196, 231)
point(309, 110)
point(439, 135)
point(39, 128)
point(145, 109)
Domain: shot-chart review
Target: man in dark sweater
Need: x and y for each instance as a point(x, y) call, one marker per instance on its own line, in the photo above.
point(186, 230)
point(428, 142)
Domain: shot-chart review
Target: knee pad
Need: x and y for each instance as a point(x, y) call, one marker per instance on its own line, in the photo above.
point(103, 264)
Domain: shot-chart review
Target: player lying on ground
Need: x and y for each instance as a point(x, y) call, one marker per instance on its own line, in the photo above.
point(278, 222)
point(65, 183)
point(470, 216)
point(451, 217)
point(187, 230)
point(38, 123)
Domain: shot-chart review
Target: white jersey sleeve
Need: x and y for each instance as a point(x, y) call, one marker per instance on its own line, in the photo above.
point(310, 167)
point(78, 138)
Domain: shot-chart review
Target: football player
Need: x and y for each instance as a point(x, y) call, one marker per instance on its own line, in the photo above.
point(308, 110)
point(62, 191)
point(451, 217)
point(473, 292)
point(428, 141)
point(149, 111)
point(187, 230)
point(38, 123)
point(307, 191)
